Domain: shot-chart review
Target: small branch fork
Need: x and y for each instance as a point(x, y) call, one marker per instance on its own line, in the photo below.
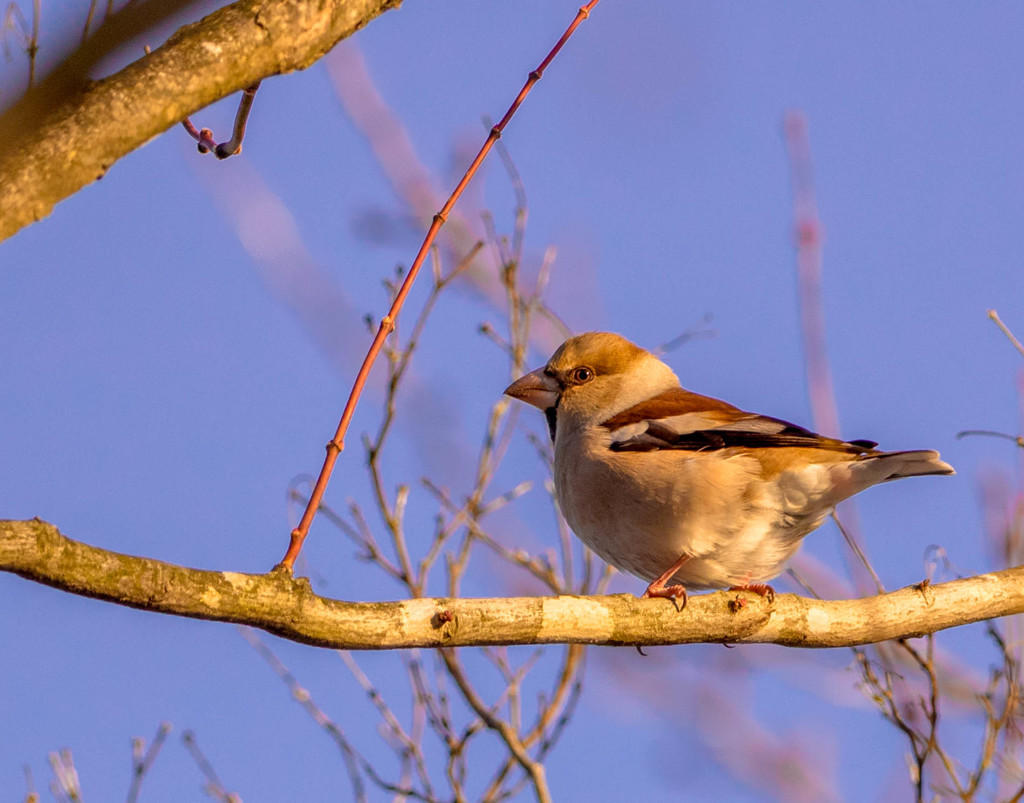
point(526, 727)
point(387, 324)
point(233, 146)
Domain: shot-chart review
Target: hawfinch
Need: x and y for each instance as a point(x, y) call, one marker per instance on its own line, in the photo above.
point(683, 490)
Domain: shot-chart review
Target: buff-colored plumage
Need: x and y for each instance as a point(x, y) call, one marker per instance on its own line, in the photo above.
point(676, 487)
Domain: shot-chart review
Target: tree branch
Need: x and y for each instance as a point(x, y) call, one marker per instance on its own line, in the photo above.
point(97, 123)
point(289, 608)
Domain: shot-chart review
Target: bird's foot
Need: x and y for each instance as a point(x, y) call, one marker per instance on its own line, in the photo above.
point(674, 592)
point(761, 589)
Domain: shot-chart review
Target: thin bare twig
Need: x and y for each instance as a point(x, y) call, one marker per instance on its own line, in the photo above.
point(204, 137)
point(348, 752)
point(994, 316)
point(65, 785)
point(409, 745)
point(142, 759)
point(88, 20)
point(1017, 439)
point(387, 324)
point(808, 236)
point(14, 24)
point(31, 795)
point(354, 761)
point(534, 769)
point(858, 551)
point(213, 788)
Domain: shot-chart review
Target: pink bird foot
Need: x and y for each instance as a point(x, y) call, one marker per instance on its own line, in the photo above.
point(674, 592)
point(761, 589)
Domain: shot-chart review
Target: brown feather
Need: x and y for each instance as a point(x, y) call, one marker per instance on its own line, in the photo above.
point(676, 401)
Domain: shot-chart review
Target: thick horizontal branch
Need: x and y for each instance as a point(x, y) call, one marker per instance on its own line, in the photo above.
point(98, 122)
point(288, 607)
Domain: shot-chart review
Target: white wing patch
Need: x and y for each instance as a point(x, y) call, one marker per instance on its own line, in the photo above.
point(635, 436)
point(655, 433)
point(755, 423)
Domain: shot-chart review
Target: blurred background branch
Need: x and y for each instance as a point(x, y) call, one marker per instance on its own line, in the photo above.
point(68, 131)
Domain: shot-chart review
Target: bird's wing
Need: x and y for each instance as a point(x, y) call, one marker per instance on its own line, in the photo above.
point(678, 419)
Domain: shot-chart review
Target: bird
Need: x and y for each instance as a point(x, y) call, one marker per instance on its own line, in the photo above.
point(686, 491)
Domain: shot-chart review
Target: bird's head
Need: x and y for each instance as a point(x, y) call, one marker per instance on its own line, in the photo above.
point(593, 376)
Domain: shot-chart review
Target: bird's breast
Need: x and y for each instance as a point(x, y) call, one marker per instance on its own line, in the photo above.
point(641, 511)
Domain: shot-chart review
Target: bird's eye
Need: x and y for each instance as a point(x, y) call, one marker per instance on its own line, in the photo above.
point(581, 375)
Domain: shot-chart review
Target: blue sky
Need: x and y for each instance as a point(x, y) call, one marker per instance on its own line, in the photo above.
point(163, 386)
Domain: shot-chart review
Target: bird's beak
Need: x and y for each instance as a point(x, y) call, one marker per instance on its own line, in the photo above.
point(536, 388)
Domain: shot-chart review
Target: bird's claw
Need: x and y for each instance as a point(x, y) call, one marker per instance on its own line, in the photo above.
point(673, 592)
point(761, 589)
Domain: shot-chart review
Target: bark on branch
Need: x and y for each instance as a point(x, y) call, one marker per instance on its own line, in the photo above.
point(96, 123)
point(289, 608)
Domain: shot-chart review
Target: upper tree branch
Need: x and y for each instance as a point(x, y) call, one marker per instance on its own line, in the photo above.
point(288, 608)
point(44, 160)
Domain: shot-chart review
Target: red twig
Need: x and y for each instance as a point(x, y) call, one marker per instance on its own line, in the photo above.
point(387, 324)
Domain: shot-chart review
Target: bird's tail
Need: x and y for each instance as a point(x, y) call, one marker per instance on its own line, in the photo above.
point(896, 465)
